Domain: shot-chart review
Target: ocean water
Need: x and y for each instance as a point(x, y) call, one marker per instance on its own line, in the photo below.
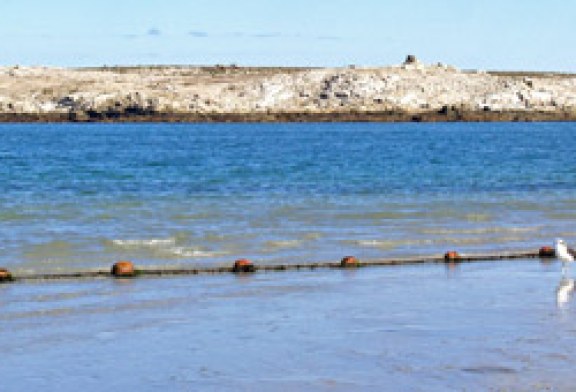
point(481, 327)
point(77, 197)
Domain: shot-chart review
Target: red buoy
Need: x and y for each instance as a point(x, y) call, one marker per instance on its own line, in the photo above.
point(123, 269)
point(243, 265)
point(547, 251)
point(349, 262)
point(452, 256)
point(5, 275)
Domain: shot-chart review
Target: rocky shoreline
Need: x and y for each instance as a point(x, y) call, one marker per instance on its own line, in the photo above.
point(411, 91)
point(291, 117)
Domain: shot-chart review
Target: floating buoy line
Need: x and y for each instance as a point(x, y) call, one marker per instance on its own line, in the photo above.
point(127, 269)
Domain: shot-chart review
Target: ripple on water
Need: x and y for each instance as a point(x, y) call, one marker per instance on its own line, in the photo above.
point(169, 248)
point(489, 369)
point(158, 192)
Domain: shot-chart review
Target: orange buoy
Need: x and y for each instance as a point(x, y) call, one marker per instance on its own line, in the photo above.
point(5, 275)
point(547, 251)
point(243, 265)
point(452, 256)
point(123, 269)
point(349, 262)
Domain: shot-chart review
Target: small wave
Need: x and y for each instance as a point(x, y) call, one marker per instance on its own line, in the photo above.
point(481, 230)
point(479, 240)
point(312, 236)
point(164, 247)
point(489, 369)
point(415, 243)
point(477, 217)
point(49, 250)
point(8, 216)
point(565, 215)
point(391, 244)
point(283, 244)
point(374, 215)
point(194, 216)
point(144, 243)
point(186, 252)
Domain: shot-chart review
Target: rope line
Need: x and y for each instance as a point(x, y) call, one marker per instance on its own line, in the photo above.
point(248, 267)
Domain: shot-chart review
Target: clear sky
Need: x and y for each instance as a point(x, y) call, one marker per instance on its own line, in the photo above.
point(479, 34)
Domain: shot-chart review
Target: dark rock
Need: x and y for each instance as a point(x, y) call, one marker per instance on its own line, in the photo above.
point(410, 59)
point(66, 102)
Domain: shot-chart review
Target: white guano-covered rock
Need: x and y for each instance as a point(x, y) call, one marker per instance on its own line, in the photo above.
point(411, 87)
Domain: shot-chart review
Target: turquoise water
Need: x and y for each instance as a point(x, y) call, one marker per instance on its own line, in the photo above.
point(82, 196)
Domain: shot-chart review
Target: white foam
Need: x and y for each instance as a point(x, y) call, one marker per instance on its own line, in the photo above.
point(390, 244)
point(145, 243)
point(193, 252)
point(166, 247)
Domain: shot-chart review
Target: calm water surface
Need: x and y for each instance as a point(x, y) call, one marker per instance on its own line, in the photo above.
point(81, 196)
point(485, 326)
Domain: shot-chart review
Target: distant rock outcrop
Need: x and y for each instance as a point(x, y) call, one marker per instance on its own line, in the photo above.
point(411, 91)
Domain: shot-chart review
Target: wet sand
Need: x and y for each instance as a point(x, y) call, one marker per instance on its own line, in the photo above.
point(479, 326)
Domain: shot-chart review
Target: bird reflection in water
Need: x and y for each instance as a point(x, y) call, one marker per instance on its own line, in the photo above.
point(564, 291)
point(565, 288)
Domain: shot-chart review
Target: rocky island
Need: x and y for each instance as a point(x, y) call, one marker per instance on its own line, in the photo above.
point(411, 91)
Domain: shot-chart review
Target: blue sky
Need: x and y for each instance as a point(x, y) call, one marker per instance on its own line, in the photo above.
point(482, 34)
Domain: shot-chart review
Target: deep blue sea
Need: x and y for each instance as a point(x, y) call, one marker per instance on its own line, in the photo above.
point(82, 196)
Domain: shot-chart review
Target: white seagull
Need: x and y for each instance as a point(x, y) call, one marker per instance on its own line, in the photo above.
point(563, 254)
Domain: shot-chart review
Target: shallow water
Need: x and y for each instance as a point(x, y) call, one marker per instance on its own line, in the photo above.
point(76, 197)
point(483, 326)
point(80, 196)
